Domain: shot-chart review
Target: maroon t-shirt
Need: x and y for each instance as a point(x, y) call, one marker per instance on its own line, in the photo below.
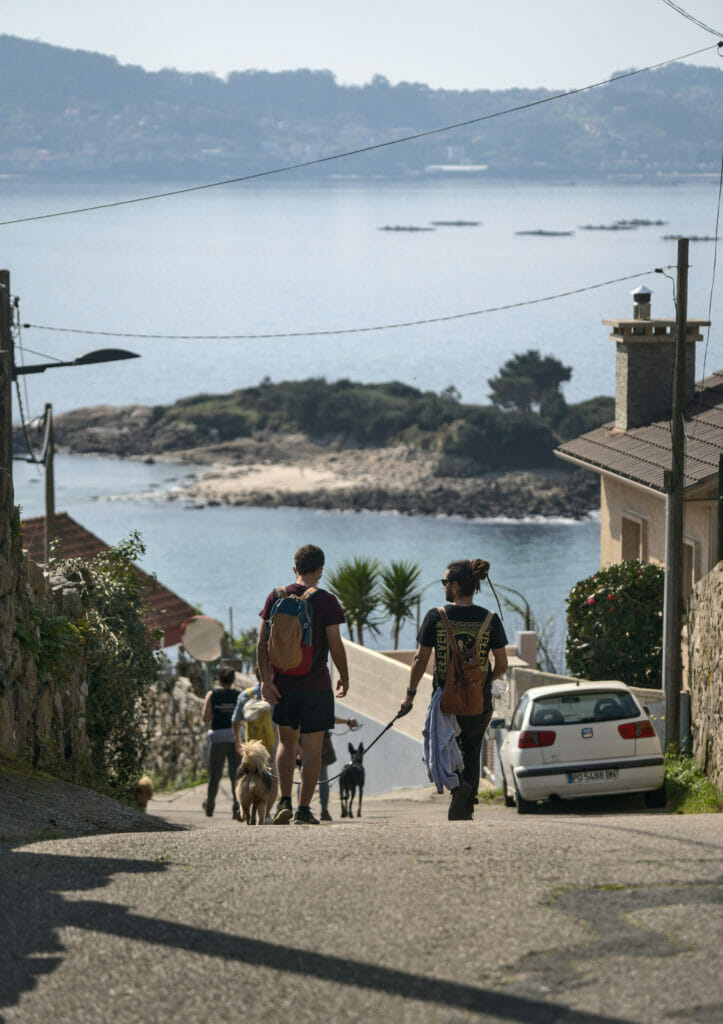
point(326, 611)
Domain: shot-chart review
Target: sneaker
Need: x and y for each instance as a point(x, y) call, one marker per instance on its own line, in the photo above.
point(208, 808)
point(283, 815)
point(325, 816)
point(305, 817)
point(459, 805)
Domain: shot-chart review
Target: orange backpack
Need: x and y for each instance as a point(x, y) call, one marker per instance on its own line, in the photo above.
point(291, 622)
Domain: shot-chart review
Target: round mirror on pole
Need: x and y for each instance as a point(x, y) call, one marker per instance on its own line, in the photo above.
point(201, 637)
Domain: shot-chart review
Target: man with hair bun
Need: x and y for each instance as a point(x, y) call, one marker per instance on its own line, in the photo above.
point(303, 704)
point(461, 582)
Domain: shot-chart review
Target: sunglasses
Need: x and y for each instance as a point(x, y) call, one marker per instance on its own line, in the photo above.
point(445, 582)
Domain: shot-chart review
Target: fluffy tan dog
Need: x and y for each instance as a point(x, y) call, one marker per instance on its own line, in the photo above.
point(143, 792)
point(253, 781)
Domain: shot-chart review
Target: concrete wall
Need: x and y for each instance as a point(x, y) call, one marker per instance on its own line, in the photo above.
point(378, 684)
point(705, 630)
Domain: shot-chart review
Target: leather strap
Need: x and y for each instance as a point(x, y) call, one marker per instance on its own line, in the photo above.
point(456, 654)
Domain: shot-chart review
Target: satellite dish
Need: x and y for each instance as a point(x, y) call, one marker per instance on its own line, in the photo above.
point(201, 636)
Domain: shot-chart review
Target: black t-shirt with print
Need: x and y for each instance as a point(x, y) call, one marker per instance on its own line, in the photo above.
point(465, 621)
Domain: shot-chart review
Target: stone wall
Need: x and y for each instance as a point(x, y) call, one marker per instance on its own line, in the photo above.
point(42, 713)
point(705, 633)
point(177, 750)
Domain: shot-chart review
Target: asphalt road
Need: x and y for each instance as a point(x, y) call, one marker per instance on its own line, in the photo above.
point(602, 912)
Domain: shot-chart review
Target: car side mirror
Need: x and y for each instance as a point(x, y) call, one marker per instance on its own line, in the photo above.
point(498, 723)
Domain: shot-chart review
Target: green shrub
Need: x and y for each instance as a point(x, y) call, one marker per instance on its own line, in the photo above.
point(122, 666)
point(615, 624)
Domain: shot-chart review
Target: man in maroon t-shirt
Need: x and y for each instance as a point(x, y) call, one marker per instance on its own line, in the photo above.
point(304, 705)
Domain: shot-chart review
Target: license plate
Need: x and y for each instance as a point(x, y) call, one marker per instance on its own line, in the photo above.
point(594, 775)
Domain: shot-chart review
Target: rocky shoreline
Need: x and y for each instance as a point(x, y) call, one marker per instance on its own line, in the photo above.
point(273, 470)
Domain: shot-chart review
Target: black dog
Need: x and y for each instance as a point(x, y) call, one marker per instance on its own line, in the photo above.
point(352, 776)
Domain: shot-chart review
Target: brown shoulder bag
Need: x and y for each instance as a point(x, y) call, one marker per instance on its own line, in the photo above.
point(463, 692)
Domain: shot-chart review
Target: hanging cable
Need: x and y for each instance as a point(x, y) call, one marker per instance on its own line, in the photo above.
point(341, 330)
point(362, 149)
point(690, 17)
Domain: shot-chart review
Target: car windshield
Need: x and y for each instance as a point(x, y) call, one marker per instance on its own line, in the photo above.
point(583, 706)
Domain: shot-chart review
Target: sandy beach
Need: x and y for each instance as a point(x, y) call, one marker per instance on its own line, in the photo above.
point(268, 470)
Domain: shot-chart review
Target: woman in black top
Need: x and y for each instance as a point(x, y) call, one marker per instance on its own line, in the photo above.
point(218, 708)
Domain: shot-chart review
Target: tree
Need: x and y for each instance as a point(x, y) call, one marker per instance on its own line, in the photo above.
point(399, 593)
point(545, 654)
point(526, 379)
point(615, 624)
point(355, 583)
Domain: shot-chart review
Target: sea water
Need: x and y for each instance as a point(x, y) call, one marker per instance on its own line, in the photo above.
point(248, 259)
point(270, 260)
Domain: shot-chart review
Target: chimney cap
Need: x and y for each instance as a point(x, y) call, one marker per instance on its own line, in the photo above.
point(641, 293)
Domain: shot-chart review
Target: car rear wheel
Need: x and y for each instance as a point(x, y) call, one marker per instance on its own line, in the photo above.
point(656, 797)
point(509, 800)
point(523, 806)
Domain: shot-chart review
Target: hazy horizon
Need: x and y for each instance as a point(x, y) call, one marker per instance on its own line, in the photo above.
point(470, 46)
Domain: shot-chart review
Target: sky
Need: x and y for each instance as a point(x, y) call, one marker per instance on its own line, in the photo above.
point(460, 44)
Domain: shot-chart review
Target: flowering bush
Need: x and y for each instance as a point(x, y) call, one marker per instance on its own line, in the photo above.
point(615, 624)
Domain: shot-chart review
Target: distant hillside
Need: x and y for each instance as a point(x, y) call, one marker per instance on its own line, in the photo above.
point(72, 115)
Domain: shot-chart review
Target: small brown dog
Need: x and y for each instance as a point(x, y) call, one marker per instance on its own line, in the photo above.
point(253, 781)
point(143, 792)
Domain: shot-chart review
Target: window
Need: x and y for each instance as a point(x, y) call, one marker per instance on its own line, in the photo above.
point(582, 706)
point(632, 536)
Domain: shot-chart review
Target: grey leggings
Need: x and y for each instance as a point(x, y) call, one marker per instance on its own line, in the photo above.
point(218, 754)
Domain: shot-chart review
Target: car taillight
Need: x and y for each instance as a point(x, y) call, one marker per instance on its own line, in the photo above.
point(636, 730)
point(533, 738)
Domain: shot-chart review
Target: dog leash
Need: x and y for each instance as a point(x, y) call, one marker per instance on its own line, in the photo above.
point(399, 714)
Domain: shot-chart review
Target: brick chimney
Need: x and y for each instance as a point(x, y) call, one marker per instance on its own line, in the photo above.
point(645, 354)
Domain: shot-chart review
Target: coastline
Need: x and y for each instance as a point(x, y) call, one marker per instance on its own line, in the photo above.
point(272, 470)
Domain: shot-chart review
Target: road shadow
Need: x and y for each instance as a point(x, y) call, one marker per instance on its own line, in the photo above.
point(33, 910)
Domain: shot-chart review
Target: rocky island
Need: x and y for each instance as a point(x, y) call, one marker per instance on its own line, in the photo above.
point(385, 447)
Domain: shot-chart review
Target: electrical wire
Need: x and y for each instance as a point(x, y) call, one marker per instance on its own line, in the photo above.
point(690, 17)
point(341, 330)
point(362, 149)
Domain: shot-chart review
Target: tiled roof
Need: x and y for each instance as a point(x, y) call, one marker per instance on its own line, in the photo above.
point(168, 610)
point(643, 453)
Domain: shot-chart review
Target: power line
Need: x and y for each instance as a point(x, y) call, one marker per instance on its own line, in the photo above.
point(341, 330)
point(362, 149)
point(690, 17)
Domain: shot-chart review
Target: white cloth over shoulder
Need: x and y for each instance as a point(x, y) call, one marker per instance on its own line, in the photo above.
point(442, 756)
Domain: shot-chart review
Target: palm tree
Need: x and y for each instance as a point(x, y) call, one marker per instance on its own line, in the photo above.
point(355, 584)
point(399, 594)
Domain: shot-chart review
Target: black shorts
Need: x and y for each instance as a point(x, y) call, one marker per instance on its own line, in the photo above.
point(310, 712)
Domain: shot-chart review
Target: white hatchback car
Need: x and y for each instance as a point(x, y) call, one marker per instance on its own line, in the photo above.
point(576, 740)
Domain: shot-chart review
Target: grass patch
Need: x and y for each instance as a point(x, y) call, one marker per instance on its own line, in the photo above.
point(689, 790)
point(164, 785)
point(490, 796)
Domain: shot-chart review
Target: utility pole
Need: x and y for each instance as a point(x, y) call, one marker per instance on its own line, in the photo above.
point(6, 419)
point(48, 457)
point(674, 482)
